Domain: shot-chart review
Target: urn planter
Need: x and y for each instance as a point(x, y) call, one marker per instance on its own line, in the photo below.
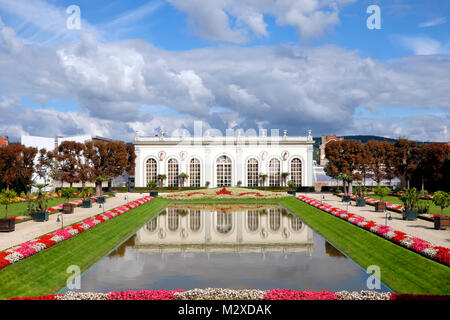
point(153, 193)
point(291, 192)
point(40, 216)
point(87, 203)
point(410, 215)
point(7, 225)
point(441, 222)
point(101, 199)
point(346, 198)
point(380, 206)
point(67, 208)
point(360, 202)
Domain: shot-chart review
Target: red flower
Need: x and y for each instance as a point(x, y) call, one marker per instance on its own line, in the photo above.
point(224, 191)
point(443, 255)
point(48, 297)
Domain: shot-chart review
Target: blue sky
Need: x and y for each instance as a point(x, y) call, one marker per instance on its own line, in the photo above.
point(304, 64)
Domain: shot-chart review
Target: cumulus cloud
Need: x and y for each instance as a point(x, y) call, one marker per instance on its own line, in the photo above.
point(423, 45)
point(211, 19)
point(285, 87)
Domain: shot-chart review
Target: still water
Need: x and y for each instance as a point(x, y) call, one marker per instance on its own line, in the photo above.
point(232, 246)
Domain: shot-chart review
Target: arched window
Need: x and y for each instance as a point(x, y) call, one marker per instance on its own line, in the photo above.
point(194, 173)
point(152, 170)
point(274, 173)
point(224, 222)
point(173, 219)
point(195, 221)
point(151, 226)
point(296, 171)
point(253, 220)
point(172, 173)
point(296, 223)
point(252, 172)
point(223, 171)
point(275, 219)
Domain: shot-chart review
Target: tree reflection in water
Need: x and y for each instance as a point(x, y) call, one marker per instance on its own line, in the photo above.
point(120, 252)
point(332, 251)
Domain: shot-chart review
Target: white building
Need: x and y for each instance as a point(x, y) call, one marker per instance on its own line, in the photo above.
point(224, 161)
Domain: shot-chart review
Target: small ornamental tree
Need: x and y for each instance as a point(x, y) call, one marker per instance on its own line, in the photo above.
point(183, 177)
point(291, 185)
point(382, 192)
point(6, 198)
point(410, 198)
point(69, 155)
point(284, 176)
point(68, 193)
point(442, 200)
point(16, 164)
point(263, 178)
point(161, 178)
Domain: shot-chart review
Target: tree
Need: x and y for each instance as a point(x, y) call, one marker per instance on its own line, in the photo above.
point(379, 151)
point(16, 164)
point(108, 161)
point(284, 176)
point(44, 164)
point(6, 198)
point(161, 178)
point(432, 159)
point(183, 176)
point(69, 155)
point(263, 178)
point(402, 149)
point(442, 200)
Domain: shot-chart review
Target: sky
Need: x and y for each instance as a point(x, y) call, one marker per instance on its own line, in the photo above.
point(295, 65)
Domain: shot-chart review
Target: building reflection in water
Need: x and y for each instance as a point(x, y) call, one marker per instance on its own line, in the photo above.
point(211, 228)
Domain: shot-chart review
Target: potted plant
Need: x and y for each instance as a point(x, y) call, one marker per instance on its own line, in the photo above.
point(152, 185)
point(183, 177)
point(284, 176)
point(381, 192)
point(263, 178)
point(410, 197)
point(207, 183)
point(161, 178)
point(239, 183)
point(6, 198)
point(37, 208)
point(359, 191)
point(86, 194)
point(68, 193)
point(423, 206)
point(292, 187)
point(442, 200)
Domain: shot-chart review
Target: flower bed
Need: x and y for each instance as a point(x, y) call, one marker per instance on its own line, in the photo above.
point(30, 248)
point(287, 294)
point(225, 193)
point(437, 253)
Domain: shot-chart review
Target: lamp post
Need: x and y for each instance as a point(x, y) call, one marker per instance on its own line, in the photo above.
point(102, 205)
point(60, 220)
point(387, 216)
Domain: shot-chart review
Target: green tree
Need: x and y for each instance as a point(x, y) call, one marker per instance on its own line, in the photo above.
point(442, 200)
point(6, 198)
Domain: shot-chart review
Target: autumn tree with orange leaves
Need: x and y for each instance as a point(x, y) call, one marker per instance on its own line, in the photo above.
point(16, 165)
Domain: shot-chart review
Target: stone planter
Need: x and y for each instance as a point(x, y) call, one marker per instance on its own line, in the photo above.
point(7, 225)
point(360, 202)
point(346, 198)
point(86, 203)
point(153, 193)
point(67, 208)
point(101, 199)
point(410, 215)
point(40, 216)
point(291, 192)
point(380, 206)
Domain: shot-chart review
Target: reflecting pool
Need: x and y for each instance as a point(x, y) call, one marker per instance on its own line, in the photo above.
point(228, 246)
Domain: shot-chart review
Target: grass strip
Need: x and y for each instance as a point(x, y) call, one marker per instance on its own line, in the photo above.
point(45, 272)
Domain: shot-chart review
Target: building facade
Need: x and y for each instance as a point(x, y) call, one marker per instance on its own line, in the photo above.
point(325, 139)
point(224, 161)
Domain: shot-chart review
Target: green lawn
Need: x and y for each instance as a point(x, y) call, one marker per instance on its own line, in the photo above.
point(433, 209)
point(401, 270)
point(20, 208)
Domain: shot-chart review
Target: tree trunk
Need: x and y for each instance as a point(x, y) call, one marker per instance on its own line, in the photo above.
point(407, 184)
point(98, 188)
point(6, 211)
point(350, 187)
point(109, 185)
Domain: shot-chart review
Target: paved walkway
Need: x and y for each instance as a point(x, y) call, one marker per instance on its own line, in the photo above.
point(30, 230)
point(420, 228)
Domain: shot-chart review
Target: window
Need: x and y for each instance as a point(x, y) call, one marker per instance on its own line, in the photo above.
point(173, 219)
point(275, 219)
point(151, 226)
point(252, 173)
point(224, 222)
point(296, 223)
point(173, 173)
point(223, 171)
point(274, 173)
point(253, 220)
point(195, 220)
point(296, 171)
point(152, 171)
point(194, 173)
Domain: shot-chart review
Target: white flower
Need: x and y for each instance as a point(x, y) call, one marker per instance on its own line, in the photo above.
point(14, 257)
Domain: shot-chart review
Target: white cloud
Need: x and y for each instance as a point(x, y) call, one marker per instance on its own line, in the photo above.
point(432, 23)
point(423, 45)
point(212, 19)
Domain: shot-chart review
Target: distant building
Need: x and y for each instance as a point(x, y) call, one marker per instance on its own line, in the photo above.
point(325, 139)
point(4, 141)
